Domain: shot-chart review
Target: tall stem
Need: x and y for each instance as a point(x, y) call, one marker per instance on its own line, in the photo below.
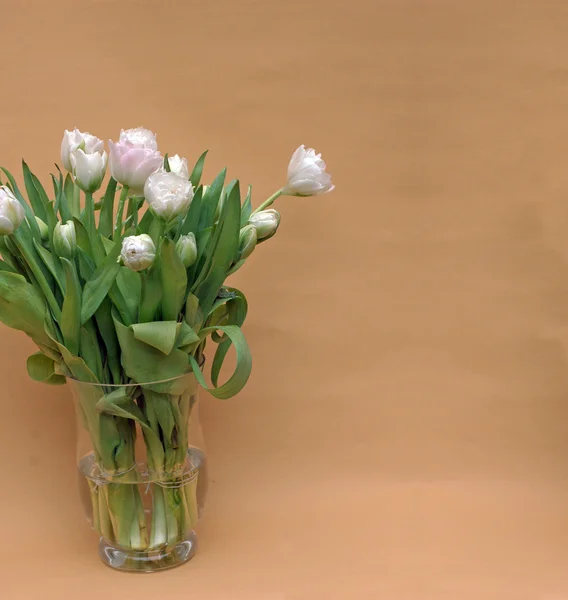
point(269, 201)
point(119, 213)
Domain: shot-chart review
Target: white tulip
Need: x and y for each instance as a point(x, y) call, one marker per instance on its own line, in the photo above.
point(11, 212)
point(306, 174)
point(265, 222)
point(139, 138)
point(76, 139)
point(138, 252)
point(89, 169)
point(65, 239)
point(132, 164)
point(178, 165)
point(168, 194)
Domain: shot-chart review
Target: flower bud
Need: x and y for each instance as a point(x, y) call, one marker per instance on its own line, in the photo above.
point(178, 165)
point(168, 195)
point(65, 240)
point(11, 211)
point(76, 139)
point(247, 241)
point(89, 169)
point(43, 229)
point(138, 252)
point(306, 174)
point(186, 247)
point(266, 223)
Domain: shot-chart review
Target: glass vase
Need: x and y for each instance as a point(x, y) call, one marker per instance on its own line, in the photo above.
point(142, 470)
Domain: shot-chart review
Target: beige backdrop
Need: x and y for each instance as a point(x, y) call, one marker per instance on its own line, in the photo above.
point(405, 431)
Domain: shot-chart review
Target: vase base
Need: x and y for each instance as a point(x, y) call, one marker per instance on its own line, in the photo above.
point(148, 562)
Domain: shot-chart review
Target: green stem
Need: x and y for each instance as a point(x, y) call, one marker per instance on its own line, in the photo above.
point(269, 201)
point(76, 208)
point(119, 214)
point(90, 216)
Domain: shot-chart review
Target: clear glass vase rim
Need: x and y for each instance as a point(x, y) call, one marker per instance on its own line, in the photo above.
point(136, 384)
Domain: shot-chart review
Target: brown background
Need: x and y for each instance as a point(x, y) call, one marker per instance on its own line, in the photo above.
point(404, 434)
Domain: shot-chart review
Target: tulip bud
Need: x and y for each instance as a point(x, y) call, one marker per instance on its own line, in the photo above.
point(89, 169)
point(43, 230)
point(178, 165)
point(187, 249)
point(306, 174)
point(247, 241)
point(168, 195)
point(11, 212)
point(266, 223)
point(138, 252)
point(76, 139)
point(65, 240)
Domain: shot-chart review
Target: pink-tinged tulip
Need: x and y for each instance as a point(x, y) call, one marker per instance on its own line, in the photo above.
point(132, 164)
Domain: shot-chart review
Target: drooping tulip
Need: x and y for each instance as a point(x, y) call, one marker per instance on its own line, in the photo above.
point(266, 223)
point(306, 174)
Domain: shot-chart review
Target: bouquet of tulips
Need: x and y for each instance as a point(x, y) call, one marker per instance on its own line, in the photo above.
point(124, 290)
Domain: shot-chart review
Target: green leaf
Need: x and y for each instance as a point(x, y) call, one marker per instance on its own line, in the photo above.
point(71, 311)
point(68, 189)
point(30, 217)
point(242, 369)
point(53, 263)
point(90, 349)
point(158, 334)
point(82, 236)
point(61, 204)
point(193, 312)
point(195, 176)
point(77, 366)
point(103, 316)
point(211, 200)
point(100, 283)
point(4, 266)
point(191, 221)
point(145, 364)
point(129, 283)
point(106, 224)
point(151, 294)
point(146, 222)
point(174, 281)
point(187, 336)
point(36, 200)
point(246, 210)
point(42, 368)
point(224, 245)
point(23, 307)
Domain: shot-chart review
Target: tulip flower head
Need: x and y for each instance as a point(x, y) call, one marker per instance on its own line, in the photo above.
point(65, 240)
point(186, 247)
point(138, 252)
point(72, 140)
point(11, 212)
point(168, 195)
point(266, 223)
point(178, 165)
point(306, 174)
point(134, 158)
